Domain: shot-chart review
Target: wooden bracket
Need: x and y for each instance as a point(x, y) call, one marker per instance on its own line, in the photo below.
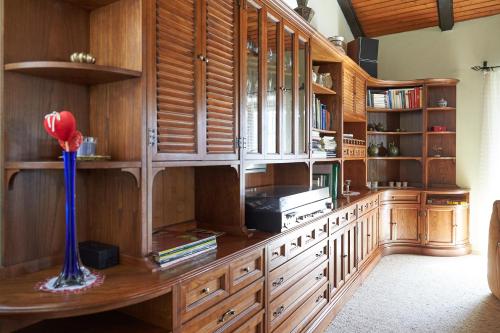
point(156, 171)
point(136, 172)
point(9, 177)
point(236, 167)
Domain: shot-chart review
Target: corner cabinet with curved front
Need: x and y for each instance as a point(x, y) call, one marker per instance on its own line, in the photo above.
point(275, 76)
point(195, 81)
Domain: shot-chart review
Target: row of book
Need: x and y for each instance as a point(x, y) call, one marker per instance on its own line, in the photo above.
point(321, 118)
point(172, 247)
point(326, 175)
point(407, 98)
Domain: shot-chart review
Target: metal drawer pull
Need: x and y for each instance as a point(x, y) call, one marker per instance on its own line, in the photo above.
point(279, 311)
point(320, 297)
point(278, 282)
point(246, 269)
point(368, 235)
point(226, 315)
point(344, 256)
point(319, 254)
point(308, 236)
point(275, 253)
point(320, 276)
point(293, 244)
point(206, 290)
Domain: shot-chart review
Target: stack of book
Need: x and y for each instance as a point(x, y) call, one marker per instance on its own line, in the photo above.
point(317, 146)
point(321, 118)
point(330, 146)
point(171, 247)
point(395, 98)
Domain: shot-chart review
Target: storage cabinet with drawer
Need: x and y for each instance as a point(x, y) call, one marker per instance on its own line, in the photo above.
point(400, 223)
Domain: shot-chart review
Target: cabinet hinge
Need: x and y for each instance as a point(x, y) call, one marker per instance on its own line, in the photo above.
point(152, 137)
point(240, 143)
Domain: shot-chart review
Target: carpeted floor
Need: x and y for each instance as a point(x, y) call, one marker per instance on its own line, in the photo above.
point(407, 293)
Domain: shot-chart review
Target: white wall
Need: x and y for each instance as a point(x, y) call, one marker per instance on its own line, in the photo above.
point(431, 53)
point(329, 19)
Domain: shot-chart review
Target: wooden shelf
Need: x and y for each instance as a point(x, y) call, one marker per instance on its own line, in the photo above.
point(72, 72)
point(432, 158)
point(437, 108)
point(393, 133)
point(47, 165)
point(324, 131)
point(91, 4)
point(397, 158)
point(320, 90)
point(354, 159)
point(331, 159)
point(441, 133)
point(369, 109)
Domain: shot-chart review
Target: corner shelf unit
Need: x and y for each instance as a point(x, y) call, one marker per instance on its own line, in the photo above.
point(419, 145)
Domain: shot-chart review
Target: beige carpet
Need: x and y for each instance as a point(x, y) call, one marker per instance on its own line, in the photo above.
point(407, 293)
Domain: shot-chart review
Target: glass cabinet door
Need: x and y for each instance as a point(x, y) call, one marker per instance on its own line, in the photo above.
point(288, 96)
point(302, 98)
point(253, 110)
point(271, 115)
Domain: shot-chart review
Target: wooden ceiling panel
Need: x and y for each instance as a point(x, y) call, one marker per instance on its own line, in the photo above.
point(378, 17)
point(382, 17)
point(471, 9)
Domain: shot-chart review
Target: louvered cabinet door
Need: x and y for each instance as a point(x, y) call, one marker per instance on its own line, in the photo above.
point(360, 98)
point(177, 79)
point(221, 78)
point(348, 93)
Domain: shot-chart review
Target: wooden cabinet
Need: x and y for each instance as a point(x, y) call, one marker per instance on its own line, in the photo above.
point(275, 89)
point(343, 256)
point(400, 223)
point(367, 240)
point(196, 80)
point(446, 226)
point(353, 96)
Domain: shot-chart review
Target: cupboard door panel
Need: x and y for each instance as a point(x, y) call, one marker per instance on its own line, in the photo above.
point(348, 92)
point(176, 76)
point(406, 222)
point(289, 97)
point(360, 97)
point(462, 225)
point(337, 273)
point(221, 76)
point(441, 226)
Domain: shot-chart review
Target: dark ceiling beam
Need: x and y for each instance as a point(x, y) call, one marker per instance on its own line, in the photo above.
point(445, 12)
point(351, 17)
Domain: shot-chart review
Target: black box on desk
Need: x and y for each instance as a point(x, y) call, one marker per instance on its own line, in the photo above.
point(98, 255)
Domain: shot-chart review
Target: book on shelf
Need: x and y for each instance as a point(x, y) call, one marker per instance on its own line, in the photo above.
point(405, 98)
point(321, 117)
point(172, 246)
point(324, 175)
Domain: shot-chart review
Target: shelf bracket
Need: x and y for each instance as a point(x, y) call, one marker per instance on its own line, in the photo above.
point(156, 171)
point(136, 172)
point(9, 177)
point(237, 168)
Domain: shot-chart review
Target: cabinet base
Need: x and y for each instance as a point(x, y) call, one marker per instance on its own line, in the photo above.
point(445, 251)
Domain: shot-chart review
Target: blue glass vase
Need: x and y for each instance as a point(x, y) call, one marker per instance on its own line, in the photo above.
point(73, 272)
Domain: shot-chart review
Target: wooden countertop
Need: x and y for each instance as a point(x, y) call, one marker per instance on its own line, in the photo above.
point(136, 282)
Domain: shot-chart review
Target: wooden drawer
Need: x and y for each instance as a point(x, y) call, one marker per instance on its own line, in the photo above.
point(246, 270)
point(254, 325)
point(400, 197)
point(289, 246)
point(367, 205)
point(285, 304)
point(230, 313)
point(283, 277)
point(306, 312)
point(203, 291)
point(343, 217)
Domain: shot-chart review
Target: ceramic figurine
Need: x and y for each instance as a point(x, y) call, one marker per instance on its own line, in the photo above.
point(306, 12)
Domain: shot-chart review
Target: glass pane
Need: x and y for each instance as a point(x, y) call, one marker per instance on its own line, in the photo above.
point(252, 114)
point(288, 94)
point(302, 97)
point(272, 80)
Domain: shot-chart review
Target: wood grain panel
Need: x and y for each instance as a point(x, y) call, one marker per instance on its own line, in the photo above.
point(221, 76)
point(406, 219)
point(440, 226)
point(471, 9)
point(176, 76)
point(115, 31)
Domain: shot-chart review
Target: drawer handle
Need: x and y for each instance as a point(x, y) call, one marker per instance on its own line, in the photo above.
point(205, 290)
point(320, 297)
point(319, 254)
point(319, 277)
point(308, 236)
point(293, 244)
point(276, 253)
point(226, 315)
point(344, 256)
point(246, 269)
point(279, 311)
point(393, 223)
point(368, 235)
point(278, 282)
